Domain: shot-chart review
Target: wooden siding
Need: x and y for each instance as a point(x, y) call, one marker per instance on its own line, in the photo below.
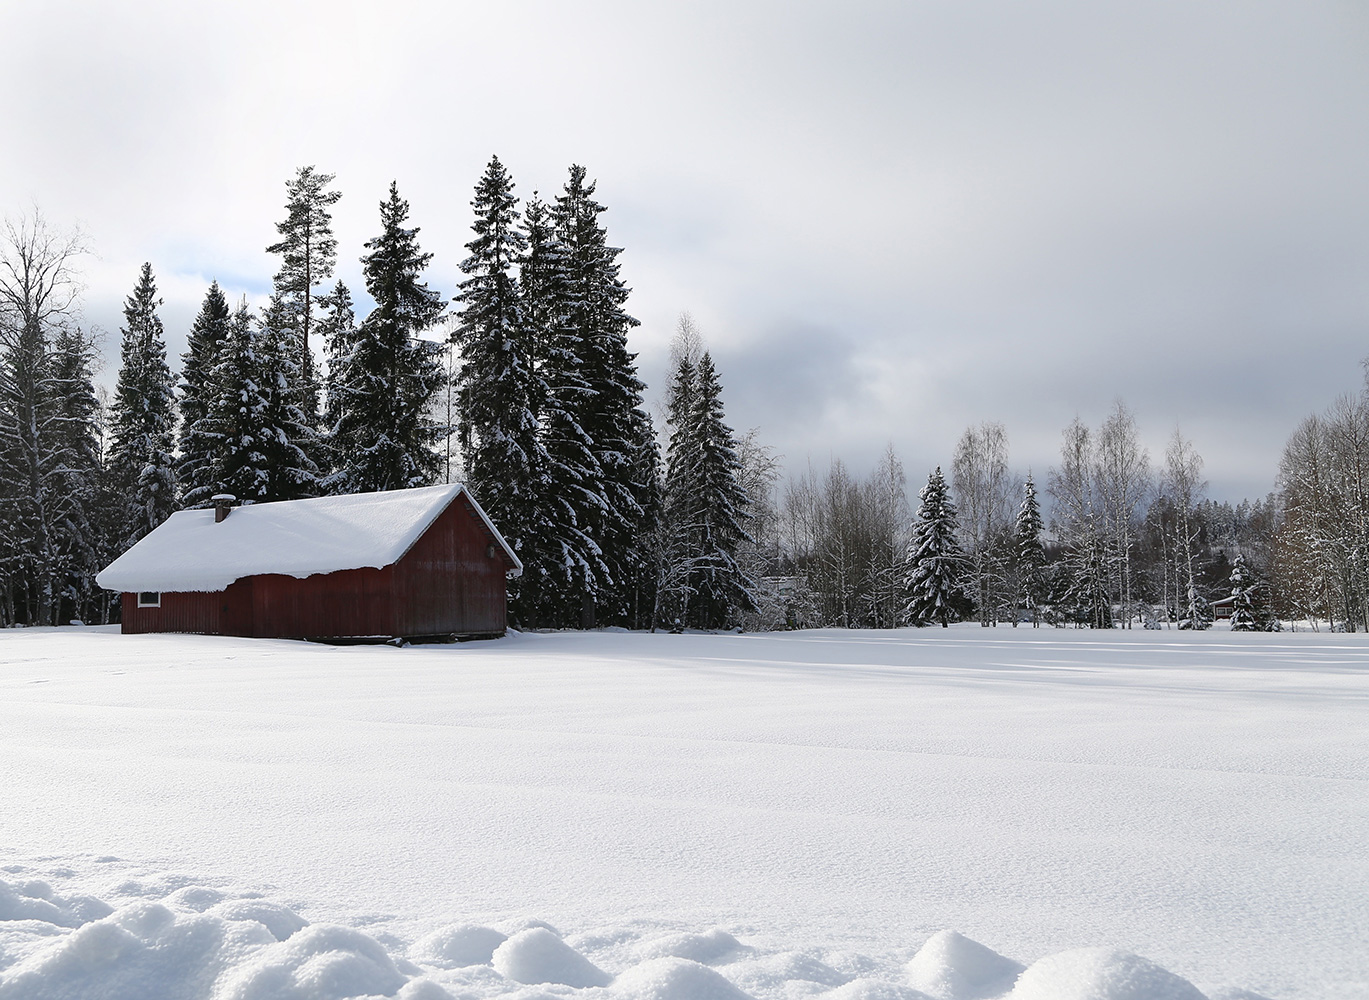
point(178, 613)
point(448, 582)
point(450, 577)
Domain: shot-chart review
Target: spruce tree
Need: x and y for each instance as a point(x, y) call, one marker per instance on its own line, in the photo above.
point(235, 414)
point(338, 329)
point(594, 324)
point(73, 469)
point(642, 568)
point(539, 277)
point(195, 463)
point(720, 589)
point(1245, 617)
point(253, 420)
point(680, 497)
point(1030, 555)
point(384, 437)
point(141, 460)
point(935, 559)
point(500, 391)
point(567, 566)
point(308, 255)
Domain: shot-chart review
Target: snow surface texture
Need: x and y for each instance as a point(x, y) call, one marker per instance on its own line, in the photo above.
point(686, 817)
point(190, 552)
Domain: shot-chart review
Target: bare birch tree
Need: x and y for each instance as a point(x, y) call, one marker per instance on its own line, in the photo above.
point(39, 287)
point(1124, 482)
point(983, 494)
point(1184, 486)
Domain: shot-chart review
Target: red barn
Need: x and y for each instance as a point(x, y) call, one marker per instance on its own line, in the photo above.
point(403, 563)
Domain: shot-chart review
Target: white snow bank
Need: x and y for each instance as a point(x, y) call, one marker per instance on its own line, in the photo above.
point(281, 921)
point(35, 900)
point(190, 552)
point(195, 942)
point(952, 967)
point(173, 937)
point(786, 966)
point(537, 956)
point(1100, 974)
point(141, 950)
point(674, 979)
point(457, 946)
point(318, 963)
point(709, 948)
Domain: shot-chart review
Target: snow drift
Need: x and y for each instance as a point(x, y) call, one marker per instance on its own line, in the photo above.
point(197, 942)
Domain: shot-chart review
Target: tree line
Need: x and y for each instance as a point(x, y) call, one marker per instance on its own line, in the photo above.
point(548, 411)
point(1125, 543)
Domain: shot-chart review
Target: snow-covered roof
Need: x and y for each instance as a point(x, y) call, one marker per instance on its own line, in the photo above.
point(299, 538)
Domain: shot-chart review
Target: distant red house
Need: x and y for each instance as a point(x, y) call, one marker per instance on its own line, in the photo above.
point(403, 563)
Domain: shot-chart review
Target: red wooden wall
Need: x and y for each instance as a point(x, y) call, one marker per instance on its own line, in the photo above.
point(447, 582)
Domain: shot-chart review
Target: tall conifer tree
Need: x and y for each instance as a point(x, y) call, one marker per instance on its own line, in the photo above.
point(1243, 616)
point(384, 436)
point(935, 559)
point(308, 252)
point(500, 390)
point(253, 421)
point(141, 461)
point(195, 462)
point(594, 322)
point(1030, 555)
point(338, 329)
point(720, 588)
point(76, 473)
point(680, 497)
point(567, 566)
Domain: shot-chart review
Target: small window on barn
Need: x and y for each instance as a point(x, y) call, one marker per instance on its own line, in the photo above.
point(149, 599)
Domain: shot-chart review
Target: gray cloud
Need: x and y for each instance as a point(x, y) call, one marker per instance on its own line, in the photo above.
point(891, 220)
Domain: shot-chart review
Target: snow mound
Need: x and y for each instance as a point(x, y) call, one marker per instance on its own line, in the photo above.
point(674, 979)
point(456, 946)
point(1100, 974)
point(710, 948)
point(319, 963)
point(141, 950)
point(761, 974)
point(281, 921)
point(527, 924)
point(952, 967)
point(35, 900)
point(195, 897)
point(873, 989)
point(537, 955)
point(422, 989)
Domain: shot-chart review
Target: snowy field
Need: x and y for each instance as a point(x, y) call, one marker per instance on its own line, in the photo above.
point(662, 817)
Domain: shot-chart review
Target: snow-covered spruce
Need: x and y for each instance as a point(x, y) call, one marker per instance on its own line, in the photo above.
point(935, 559)
point(383, 438)
point(142, 467)
point(500, 388)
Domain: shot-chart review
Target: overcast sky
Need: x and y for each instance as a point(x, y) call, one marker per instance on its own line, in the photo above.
point(890, 220)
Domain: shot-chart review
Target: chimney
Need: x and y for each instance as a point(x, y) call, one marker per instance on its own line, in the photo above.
point(223, 504)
